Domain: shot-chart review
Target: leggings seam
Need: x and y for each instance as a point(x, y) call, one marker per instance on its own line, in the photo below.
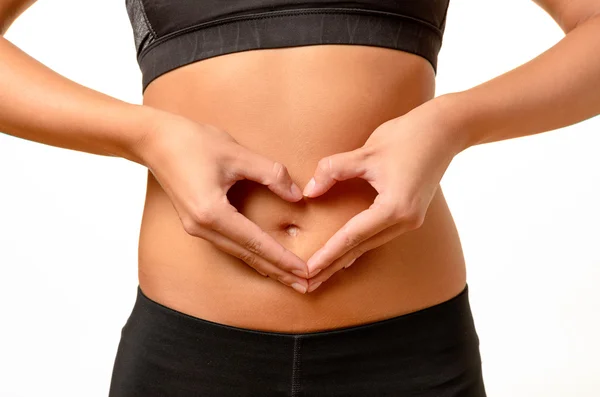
point(296, 367)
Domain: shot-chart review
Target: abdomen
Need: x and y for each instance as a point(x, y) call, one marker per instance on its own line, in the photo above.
point(297, 105)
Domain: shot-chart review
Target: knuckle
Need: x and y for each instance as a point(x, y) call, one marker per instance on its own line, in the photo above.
point(390, 208)
point(190, 226)
point(415, 221)
point(249, 258)
point(204, 216)
point(254, 245)
point(409, 216)
point(324, 165)
point(393, 213)
point(285, 279)
point(232, 160)
point(400, 215)
point(369, 151)
point(352, 239)
point(199, 218)
point(400, 211)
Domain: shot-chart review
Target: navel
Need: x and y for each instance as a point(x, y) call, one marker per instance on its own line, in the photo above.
point(292, 229)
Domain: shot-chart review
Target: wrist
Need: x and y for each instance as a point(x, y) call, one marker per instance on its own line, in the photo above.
point(151, 125)
point(452, 119)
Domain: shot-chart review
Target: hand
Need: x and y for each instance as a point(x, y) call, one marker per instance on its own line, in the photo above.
point(196, 164)
point(404, 159)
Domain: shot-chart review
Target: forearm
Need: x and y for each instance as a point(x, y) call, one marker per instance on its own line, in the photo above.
point(41, 105)
point(558, 88)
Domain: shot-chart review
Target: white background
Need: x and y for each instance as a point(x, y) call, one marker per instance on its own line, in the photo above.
point(527, 211)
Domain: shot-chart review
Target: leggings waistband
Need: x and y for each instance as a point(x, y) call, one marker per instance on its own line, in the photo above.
point(447, 320)
point(431, 352)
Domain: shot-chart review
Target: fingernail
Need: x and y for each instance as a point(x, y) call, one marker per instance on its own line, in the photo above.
point(348, 265)
point(308, 189)
point(299, 287)
point(296, 190)
point(315, 273)
point(314, 286)
point(299, 273)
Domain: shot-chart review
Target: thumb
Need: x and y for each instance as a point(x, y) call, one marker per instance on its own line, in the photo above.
point(334, 168)
point(273, 174)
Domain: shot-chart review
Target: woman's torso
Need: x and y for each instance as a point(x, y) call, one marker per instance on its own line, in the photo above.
point(296, 105)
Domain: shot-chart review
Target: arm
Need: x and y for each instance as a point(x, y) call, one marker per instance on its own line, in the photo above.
point(558, 88)
point(405, 158)
point(195, 163)
point(41, 105)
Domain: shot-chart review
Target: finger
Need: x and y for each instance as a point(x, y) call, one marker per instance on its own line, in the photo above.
point(272, 174)
point(358, 229)
point(259, 264)
point(334, 168)
point(315, 281)
point(232, 224)
point(350, 257)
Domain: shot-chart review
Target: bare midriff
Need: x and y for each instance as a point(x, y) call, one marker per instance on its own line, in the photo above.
point(296, 105)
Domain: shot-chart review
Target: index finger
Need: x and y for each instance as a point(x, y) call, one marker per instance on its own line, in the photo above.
point(359, 228)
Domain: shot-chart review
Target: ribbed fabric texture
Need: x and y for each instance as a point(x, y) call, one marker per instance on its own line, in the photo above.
point(169, 34)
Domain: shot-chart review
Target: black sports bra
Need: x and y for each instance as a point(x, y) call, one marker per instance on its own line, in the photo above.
point(172, 33)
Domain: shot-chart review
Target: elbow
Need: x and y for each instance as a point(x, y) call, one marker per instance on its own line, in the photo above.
point(569, 15)
point(10, 10)
point(569, 25)
point(4, 25)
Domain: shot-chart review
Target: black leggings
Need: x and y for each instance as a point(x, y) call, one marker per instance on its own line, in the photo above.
point(433, 352)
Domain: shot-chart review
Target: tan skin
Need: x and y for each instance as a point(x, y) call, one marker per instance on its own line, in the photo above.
point(325, 112)
point(351, 114)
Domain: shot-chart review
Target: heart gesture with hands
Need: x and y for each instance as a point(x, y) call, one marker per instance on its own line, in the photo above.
point(404, 159)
